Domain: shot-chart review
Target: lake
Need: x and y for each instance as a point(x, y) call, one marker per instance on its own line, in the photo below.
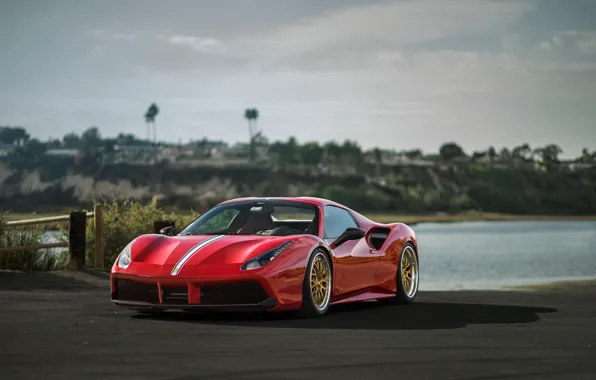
point(495, 255)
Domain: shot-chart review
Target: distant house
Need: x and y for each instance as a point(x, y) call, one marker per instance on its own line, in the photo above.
point(6, 149)
point(574, 166)
point(63, 152)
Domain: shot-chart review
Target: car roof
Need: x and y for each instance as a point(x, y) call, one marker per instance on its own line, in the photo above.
point(321, 202)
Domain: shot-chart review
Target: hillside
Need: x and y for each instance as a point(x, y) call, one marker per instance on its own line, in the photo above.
point(407, 189)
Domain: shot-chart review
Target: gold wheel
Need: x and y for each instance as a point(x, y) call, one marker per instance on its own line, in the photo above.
point(320, 281)
point(409, 272)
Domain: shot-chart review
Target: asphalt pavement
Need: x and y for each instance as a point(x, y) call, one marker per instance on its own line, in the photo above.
point(63, 326)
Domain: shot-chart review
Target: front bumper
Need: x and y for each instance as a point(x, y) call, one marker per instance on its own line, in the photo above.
point(269, 303)
point(233, 295)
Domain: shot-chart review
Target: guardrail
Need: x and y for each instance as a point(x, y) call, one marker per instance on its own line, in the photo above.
point(77, 240)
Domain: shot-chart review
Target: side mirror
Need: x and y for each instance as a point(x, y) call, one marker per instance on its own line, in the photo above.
point(168, 231)
point(350, 233)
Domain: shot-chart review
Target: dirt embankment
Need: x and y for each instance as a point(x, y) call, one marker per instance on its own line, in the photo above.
point(415, 190)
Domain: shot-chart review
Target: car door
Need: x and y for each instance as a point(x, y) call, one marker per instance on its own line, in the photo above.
point(354, 266)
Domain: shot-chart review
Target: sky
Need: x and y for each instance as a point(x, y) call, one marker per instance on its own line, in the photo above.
point(398, 74)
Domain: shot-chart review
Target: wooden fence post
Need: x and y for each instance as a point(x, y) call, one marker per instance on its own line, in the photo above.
point(77, 242)
point(98, 225)
point(159, 224)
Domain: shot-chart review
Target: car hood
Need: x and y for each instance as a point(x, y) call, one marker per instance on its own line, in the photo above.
point(202, 249)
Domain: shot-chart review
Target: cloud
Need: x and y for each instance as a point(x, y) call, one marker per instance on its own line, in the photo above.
point(545, 46)
point(203, 45)
point(566, 67)
point(557, 40)
point(587, 46)
point(112, 35)
point(124, 36)
point(584, 41)
point(362, 37)
point(510, 42)
point(386, 25)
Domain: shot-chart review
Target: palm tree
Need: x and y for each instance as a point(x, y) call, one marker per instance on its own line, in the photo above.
point(150, 115)
point(251, 114)
point(378, 155)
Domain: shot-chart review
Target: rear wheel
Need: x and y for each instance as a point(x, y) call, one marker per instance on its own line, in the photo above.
point(316, 291)
point(407, 278)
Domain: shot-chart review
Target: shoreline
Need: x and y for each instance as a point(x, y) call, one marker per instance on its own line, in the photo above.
point(557, 285)
point(471, 217)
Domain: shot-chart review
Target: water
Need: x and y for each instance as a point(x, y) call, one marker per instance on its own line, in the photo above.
point(495, 255)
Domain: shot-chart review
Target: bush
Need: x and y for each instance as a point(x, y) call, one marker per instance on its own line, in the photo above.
point(124, 221)
point(26, 260)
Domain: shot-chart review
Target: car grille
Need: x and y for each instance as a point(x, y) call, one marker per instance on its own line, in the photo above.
point(175, 295)
point(127, 290)
point(237, 293)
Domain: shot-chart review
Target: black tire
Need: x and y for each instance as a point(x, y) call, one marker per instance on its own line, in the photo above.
point(402, 297)
point(309, 309)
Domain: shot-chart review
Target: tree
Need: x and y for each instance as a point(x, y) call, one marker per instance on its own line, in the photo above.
point(587, 156)
point(33, 150)
point(150, 116)
point(12, 135)
point(351, 153)
point(128, 139)
point(71, 141)
point(53, 143)
point(523, 152)
point(478, 155)
point(414, 154)
point(91, 136)
point(311, 153)
point(450, 151)
point(287, 153)
point(505, 155)
point(549, 155)
point(331, 151)
point(377, 154)
point(251, 115)
point(492, 153)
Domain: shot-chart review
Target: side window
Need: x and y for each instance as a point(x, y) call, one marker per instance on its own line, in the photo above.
point(336, 221)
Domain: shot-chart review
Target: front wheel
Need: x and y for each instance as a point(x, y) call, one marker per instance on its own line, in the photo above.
point(407, 278)
point(316, 291)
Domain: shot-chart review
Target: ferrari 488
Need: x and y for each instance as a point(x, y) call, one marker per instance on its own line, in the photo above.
point(275, 254)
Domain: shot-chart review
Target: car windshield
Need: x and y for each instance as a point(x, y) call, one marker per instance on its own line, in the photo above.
point(271, 217)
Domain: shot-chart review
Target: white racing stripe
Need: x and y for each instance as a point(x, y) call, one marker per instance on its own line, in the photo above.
point(188, 255)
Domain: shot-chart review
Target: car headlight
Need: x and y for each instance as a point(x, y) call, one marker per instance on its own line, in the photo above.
point(124, 259)
point(265, 258)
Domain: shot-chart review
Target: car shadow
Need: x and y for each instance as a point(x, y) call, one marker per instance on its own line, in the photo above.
point(372, 316)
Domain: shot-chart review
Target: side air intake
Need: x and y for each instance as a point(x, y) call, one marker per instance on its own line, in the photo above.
point(377, 236)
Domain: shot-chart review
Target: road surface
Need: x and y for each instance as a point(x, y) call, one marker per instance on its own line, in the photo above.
point(63, 326)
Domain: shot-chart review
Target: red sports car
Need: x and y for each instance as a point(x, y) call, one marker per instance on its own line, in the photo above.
point(301, 254)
